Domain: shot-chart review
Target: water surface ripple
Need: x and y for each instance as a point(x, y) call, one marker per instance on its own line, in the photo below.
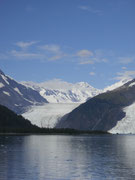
point(61, 157)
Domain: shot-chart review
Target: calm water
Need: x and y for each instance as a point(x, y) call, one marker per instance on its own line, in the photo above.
point(55, 157)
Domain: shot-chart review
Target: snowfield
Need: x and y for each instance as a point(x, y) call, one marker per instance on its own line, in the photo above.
point(48, 114)
point(58, 91)
point(127, 124)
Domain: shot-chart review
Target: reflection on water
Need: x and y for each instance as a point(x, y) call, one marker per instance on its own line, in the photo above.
point(105, 157)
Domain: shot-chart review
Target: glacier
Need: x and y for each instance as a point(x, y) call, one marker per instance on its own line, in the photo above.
point(127, 124)
point(63, 97)
point(48, 115)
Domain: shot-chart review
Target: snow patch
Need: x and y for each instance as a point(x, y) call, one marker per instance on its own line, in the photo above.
point(18, 91)
point(30, 101)
point(117, 85)
point(4, 78)
point(6, 93)
point(127, 124)
point(132, 84)
point(48, 114)
point(1, 85)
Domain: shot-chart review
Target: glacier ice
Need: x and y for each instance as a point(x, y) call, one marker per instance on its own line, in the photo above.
point(48, 115)
point(127, 124)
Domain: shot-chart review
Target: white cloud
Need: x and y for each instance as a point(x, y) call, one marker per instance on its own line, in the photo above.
point(85, 56)
point(26, 55)
point(88, 57)
point(125, 75)
point(57, 57)
point(22, 44)
point(51, 48)
point(84, 53)
point(53, 51)
point(92, 73)
point(126, 60)
point(46, 52)
point(90, 9)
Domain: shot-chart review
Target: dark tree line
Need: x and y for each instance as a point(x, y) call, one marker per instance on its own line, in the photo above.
point(10, 122)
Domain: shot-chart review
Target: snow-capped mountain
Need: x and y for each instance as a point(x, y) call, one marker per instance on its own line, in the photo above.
point(117, 84)
point(17, 97)
point(58, 91)
point(112, 111)
point(62, 96)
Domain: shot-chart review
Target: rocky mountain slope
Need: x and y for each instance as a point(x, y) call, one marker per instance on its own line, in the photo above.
point(102, 112)
point(17, 97)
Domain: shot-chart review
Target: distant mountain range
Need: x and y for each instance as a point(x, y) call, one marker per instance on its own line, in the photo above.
point(110, 111)
point(63, 98)
point(57, 91)
point(65, 105)
point(16, 96)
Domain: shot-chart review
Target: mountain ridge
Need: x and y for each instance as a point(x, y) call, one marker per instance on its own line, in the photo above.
point(17, 97)
point(31, 99)
point(57, 91)
point(10, 121)
point(103, 111)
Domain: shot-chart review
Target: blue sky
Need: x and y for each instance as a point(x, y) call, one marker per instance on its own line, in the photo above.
point(72, 40)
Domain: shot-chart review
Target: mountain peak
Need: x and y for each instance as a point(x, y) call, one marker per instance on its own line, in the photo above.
point(117, 84)
point(58, 91)
point(1, 72)
point(84, 85)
